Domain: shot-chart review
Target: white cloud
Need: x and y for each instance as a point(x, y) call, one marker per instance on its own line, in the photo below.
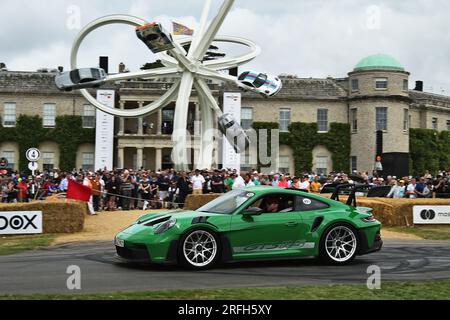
point(308, 38)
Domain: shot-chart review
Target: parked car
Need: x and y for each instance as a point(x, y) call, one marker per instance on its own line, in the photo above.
point(80, 79)
point(262, 83)
point(155, 37)
point(234, 133)
point(253, 223)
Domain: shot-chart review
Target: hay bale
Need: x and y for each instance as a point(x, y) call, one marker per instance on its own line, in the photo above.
point(193, 202)
point(403, 208)
point(57, 216)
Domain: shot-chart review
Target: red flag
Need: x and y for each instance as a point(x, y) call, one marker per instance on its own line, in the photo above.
point(78, 191)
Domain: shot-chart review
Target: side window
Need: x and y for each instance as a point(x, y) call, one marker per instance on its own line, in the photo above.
point(307, 204)
point(274, 204)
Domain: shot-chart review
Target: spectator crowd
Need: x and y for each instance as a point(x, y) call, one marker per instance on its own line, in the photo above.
point(123, 189)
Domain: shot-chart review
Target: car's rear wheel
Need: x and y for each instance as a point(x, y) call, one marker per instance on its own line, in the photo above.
point(199, 249)
point(339, 244)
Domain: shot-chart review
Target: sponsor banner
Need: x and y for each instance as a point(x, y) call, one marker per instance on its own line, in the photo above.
point(232, 105)
point(431, 214)
point(104, 132)
point(20, 222)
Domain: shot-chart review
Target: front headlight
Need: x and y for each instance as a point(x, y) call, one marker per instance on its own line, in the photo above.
point(165, 226)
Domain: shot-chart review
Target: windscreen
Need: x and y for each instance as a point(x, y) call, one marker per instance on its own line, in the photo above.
point(227, 203)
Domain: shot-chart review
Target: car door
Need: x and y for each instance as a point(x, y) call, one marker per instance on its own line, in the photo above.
point(312, 212)
point(265, 235)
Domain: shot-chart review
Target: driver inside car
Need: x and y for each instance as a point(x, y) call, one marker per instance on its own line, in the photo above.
point(277, 205)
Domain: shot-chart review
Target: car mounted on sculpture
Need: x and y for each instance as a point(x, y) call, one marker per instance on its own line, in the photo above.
point(262, 83)
point(233, 132)
point(80, 79)
point(155, 37)
point(253, 223)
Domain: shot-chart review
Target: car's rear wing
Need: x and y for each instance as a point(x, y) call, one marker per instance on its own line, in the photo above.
point(352, 189)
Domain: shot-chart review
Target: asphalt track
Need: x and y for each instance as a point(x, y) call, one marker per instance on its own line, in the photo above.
point(44, 271)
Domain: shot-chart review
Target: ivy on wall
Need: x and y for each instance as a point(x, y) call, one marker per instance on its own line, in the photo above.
point(304, 137)
point(68, 133)
point(429, 150)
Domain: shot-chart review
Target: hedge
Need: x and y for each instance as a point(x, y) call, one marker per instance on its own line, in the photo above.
point(304, 137)
point(68, 133)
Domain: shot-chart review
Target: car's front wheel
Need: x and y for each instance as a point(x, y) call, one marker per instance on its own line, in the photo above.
point(339, 244)
point(199, 249)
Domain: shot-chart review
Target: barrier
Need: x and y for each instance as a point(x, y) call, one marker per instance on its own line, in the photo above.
point(57, 216)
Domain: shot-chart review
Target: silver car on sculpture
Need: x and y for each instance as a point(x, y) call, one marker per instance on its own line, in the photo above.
point(234, 133)
point(80, 79)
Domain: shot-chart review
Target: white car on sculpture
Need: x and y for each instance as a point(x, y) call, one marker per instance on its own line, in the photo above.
point(262, 83)
point(80, 79)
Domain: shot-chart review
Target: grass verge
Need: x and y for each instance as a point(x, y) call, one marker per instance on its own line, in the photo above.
point(16, 244)
point(426, 290)
point(441, 232)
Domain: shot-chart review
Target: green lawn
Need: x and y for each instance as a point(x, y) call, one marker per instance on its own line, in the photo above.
point(441, 232)
point(428, 290)
point(16, 244)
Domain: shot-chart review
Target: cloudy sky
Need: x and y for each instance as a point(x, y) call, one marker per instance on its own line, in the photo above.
point(308, 38)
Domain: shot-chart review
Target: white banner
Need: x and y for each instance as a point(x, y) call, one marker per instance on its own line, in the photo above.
point(104, 132)
point(20, 222)
point(232, 105)
point(431, 214)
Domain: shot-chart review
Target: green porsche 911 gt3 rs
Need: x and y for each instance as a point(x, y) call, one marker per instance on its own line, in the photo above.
point(264, 223)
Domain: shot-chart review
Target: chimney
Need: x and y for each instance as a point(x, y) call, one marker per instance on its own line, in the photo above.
point(60, 68)
point(419, 86)
point(104, 64)
point(121, 67)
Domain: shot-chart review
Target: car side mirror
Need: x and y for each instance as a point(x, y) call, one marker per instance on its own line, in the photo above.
point(253, 211)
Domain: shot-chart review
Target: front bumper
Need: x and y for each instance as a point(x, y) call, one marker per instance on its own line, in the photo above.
point(141, 253)
point(135, 253)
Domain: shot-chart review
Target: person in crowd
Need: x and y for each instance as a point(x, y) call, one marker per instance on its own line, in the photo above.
point(217, 182)
point(144, 190)
point(239, 181)
point(229, 181)
point(305, 185)
point(126, 190)
point(11, 192)
point(421, 189)
point(96, 191)
point(411, 189)
point(316, 185)
point(64, 184)
point(197, 181)
point(22, 190)
point(183, 189)
point(112, 188)
point(276, 181)
point(398, 189)
point(248, 180)
point(164, 185)
point(283, 183)
point(87, 181)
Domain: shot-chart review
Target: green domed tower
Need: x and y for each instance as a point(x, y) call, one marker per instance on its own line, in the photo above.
point(379, 102)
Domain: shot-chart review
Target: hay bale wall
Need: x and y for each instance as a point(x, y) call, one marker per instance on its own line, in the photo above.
point(395, 212)
point(193, 202)
point(57, 216)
